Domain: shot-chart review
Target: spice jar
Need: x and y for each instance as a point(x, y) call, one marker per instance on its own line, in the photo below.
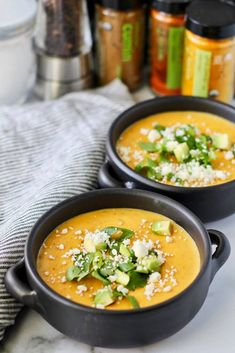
point(17, 60)
point(209, 55)
point(120, 41)
point(166, 45)
point(63, 45)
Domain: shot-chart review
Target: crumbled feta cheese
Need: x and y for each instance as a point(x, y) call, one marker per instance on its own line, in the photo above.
point(64, 231)
point(171, 145)
point(51, 257)
point(168, 239)
point(124, 153)
point(228, 155)
point(149, 290)
point(144, 131)
point(126, 242)
point(153, 135)
point(138, 156)
point(154, 277)
point(114, 252)
point(81, 289)
point(63, 279)
point(167, 289)
point(71, 252)
point(122, 289)
point(46, 273)
point(60, 246)
point(112, 278)
point(191, 172)
point(140, 249)
point(78, 232)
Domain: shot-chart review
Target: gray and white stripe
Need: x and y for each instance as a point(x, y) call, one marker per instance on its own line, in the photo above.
point(48, 152)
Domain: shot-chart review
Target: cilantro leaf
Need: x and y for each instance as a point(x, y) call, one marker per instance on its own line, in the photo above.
point(137, 280)
point(148, 146)
point(133, 301)
point(124, 233)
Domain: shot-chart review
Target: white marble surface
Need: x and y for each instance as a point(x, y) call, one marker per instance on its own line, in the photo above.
point(212, 330)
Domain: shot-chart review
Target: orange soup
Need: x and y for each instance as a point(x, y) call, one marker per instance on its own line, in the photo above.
point(118, 259)
point(183, 148)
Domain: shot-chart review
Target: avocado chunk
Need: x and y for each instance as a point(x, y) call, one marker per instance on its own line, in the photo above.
point(104, 297)
point(122, 278)
point(97, 260)
point(221, 141)
point(101, 246)
point(124, 251)
point(181, 152)
point(153, 264)
point(162, 227)
point(149, 264)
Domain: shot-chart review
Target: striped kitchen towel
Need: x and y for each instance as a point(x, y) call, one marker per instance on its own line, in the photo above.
point(48, 152)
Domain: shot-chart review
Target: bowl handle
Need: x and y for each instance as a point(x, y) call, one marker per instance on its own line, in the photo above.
point(222, 251)
point(17, 285)
point(107, 180)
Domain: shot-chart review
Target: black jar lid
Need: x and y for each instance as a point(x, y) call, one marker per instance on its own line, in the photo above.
point(121, 5)
point(174, 7)
point(211, 19)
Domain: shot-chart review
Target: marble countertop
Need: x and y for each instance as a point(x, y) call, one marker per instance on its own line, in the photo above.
point(212, 330)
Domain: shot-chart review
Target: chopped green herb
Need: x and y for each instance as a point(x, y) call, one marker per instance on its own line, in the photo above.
point(159, 128)
point(121, 233)
point(126, 266)
point(148, 146)
point(98, 276)
point(72, 273)
point(133, 301)
point(137, 280)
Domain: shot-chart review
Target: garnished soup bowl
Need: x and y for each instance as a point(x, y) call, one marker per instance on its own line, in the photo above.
point(208, 202)
point(117, 328)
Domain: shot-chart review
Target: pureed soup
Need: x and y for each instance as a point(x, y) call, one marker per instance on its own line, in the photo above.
point(118, 259)
point(182, 148)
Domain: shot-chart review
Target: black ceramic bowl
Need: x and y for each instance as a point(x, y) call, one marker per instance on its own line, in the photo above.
point(124, 328)
point(209, 203)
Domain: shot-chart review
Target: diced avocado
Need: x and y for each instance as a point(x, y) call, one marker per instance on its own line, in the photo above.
point(153, 264)
point(126, 266)
point(101, 246)
point(89, 245)
point(107, 268)
point(181, 152)
point(104, 297)
point(98, 276)
point(124, 251)
point(162, 227)
point(122, 277)
point(141, 269)
point(221, 141)
point(98, 260)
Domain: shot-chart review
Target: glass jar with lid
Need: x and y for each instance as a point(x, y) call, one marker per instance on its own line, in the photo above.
point(17, 62)
point(209, 54)
point(166, 45)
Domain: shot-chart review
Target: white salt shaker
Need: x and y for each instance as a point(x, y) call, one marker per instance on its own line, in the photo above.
point(17, 60)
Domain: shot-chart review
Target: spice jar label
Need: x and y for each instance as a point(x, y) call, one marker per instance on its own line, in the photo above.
point(174, 59)
point(127, 45)
point(202, 73)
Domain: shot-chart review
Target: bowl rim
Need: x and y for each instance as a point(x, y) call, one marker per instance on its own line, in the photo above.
point(117, 162)
point(33, 275)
